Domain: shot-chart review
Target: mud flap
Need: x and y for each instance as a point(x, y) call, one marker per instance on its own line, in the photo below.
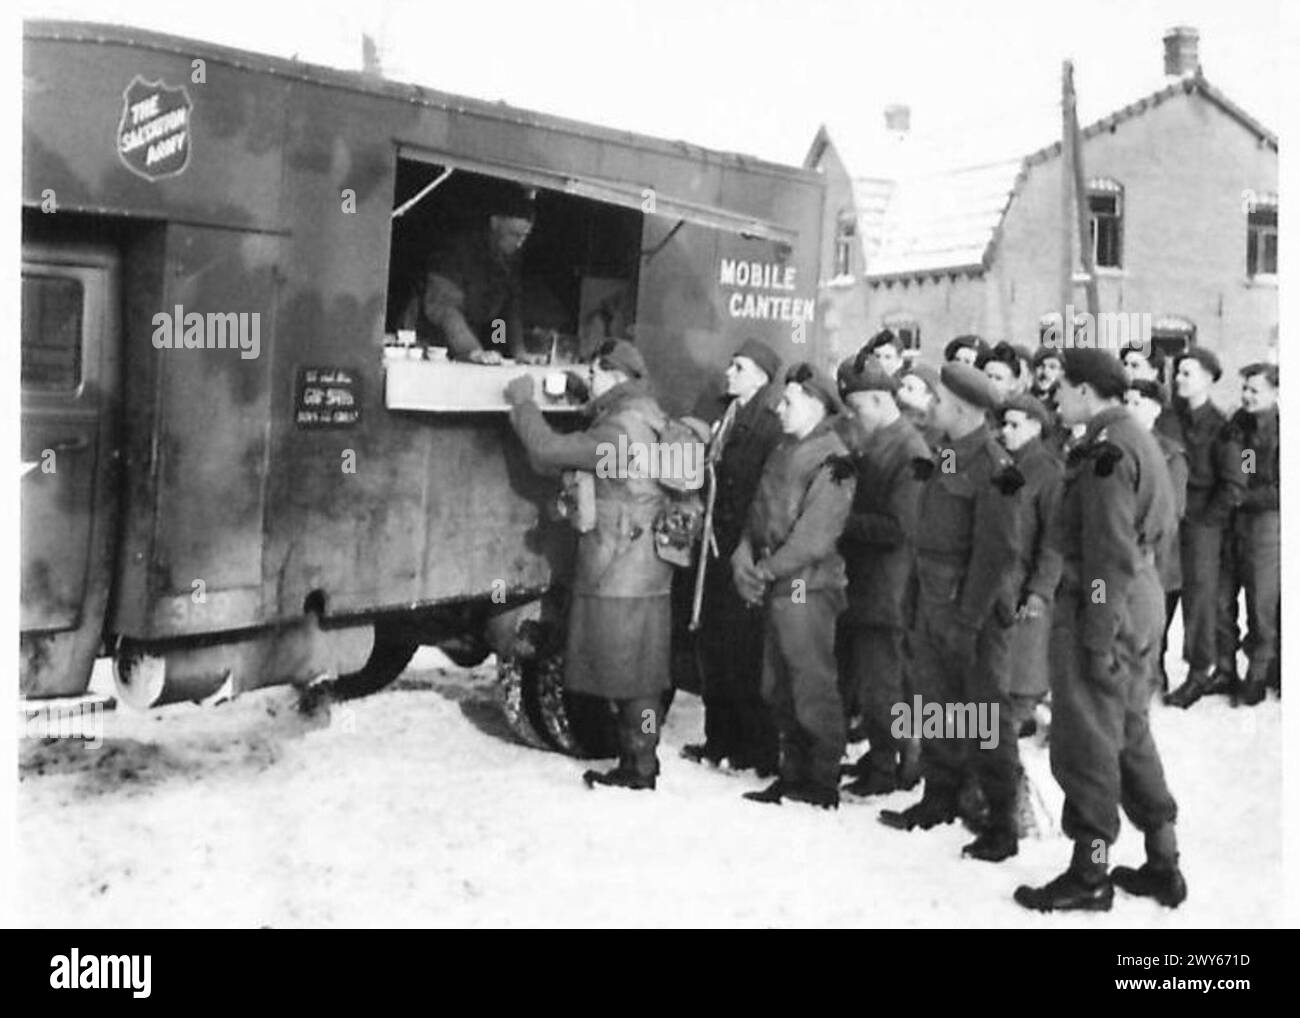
point(540, 712)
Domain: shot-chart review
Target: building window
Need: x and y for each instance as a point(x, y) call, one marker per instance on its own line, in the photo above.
point(846, 229)
point(1105, 222)
point(1261, 238)
point(908, 330)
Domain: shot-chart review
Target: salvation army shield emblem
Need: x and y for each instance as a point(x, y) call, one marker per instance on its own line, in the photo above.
point(153, 138)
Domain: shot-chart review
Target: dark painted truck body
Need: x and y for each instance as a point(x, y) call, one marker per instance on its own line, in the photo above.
point(207, 512)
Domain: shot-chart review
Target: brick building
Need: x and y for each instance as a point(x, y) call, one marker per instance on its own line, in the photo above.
point(1182, 194)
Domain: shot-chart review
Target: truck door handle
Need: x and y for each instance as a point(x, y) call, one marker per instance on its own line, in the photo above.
point(71, 444)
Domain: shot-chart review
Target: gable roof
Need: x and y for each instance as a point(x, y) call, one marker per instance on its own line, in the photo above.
point(916, 218)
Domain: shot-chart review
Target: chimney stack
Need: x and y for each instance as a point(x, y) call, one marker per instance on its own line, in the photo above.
point(898, 118)
point(1180, 51)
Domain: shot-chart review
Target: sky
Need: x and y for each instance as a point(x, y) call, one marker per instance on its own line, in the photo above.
point(759, 76)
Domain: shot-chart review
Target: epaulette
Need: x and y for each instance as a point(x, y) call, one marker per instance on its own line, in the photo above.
point(1103, 453)
point(922, 467)
point(842, 467)
point(1007, 477)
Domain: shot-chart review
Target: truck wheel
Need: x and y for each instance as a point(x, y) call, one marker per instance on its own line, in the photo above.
point(391, 654)
point(544, 715)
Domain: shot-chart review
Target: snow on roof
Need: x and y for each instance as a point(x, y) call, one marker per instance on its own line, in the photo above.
point(931, 221)
point(935, 204)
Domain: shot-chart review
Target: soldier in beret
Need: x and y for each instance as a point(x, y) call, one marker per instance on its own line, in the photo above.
point(887, 350)
point(967, 349)
point(787, 563)
point(738, 726)
point(619, 616)
point(1251, 540)
point(1215, 484)
point(1145, 400)
point(1002, 367)
point(1117, 507)
point(877, 549)
point(967, 540)
point(918, 390)
point(1032, 585)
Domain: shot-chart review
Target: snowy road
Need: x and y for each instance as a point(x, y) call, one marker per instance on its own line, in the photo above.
point(412, 808)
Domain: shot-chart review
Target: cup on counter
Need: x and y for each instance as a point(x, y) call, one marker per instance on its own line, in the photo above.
point(435, 353)
point(554, 384)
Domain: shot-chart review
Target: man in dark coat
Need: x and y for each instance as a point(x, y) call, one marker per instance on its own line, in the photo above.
point(1145, 400)
point(1117, 507)
point(787, 562)
point(967, 538)
point(471, 300)
point(877, 549)
point(619, 617)
point(1251, 545)
point(1215, 483)
point(1032, 585)
point(737, 723)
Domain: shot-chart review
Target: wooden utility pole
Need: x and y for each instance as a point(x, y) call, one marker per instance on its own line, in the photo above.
point(1074, 192)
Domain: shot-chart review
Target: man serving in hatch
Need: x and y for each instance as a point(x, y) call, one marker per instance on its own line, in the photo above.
point(471, 300)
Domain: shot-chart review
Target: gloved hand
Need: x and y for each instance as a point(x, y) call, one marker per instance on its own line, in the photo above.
point(520, 390)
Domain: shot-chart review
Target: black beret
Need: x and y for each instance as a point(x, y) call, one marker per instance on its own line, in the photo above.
point(882, 337)
point(815, 383)
point(762, 355)
point(1269, 371)
point(1047, 353)
point(1003, 352)
point(969, 384)
point(1099, 368)
point(974, 342)
point(1030, 406)
point(1149, 388)
point(1204, 358)
point(870, 377)
point(925, 372)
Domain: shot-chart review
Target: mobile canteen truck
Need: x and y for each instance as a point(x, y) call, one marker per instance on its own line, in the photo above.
point(230, 477)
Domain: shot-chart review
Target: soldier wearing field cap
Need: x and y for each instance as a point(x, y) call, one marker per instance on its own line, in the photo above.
point(737, 723)
point(1215, 483)
point(877, 548)
point(1032, 586)
point(967, 541)
point(1145, 400)
point(1117, 506)
point(787, 563)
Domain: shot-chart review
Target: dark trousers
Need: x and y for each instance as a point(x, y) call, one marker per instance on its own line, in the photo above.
point(953, 666)
point(1201, 550)
point(737, 721)
point(1102, 752)
point(872, 669)
point(800, 684)
point(638, 734)
point(1251, 550)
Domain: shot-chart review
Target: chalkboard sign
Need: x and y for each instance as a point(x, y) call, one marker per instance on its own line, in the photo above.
point(327, 398)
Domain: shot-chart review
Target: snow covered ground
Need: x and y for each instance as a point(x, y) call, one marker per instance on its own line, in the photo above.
point(413, 808)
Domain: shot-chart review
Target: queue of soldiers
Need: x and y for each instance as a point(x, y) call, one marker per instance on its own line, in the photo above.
point(1007, 528)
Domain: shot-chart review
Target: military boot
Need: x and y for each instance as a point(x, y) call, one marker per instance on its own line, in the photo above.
point(872, 783)
point(771, 794)
point(814, 795)
point(909, 763)
point(1068, 892)
point(994, 845)
point(1167, 886)
point(1198, 684)
point(936, 807)
point(620, 777)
